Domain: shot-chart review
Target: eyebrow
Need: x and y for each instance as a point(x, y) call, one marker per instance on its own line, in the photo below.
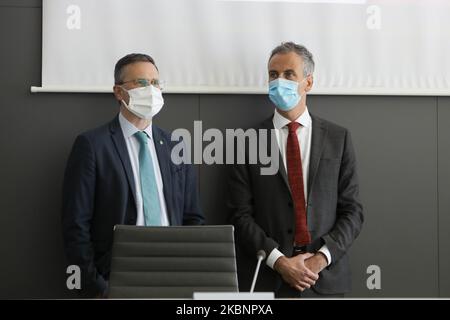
point(288, 70)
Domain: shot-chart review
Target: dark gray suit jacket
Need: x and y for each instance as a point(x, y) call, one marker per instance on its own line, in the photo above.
point(262, 212)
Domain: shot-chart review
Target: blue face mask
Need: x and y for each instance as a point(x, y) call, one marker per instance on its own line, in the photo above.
point(284, 93)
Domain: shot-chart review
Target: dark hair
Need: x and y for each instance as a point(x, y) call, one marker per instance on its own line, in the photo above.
point(130, 59)
point(308, 61)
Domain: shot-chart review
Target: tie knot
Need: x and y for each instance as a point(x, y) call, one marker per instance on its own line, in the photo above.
point(142, 137)
point(293, 126)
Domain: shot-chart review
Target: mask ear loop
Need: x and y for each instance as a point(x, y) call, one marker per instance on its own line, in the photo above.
point(123, 101)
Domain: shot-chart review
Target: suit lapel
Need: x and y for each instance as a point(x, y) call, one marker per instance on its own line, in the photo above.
point(282, 170)
point(121, 148)
point(163, 154)
point(268, 125)
point(319, 132)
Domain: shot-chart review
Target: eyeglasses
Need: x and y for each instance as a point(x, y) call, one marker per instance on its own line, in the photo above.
point(145, 83)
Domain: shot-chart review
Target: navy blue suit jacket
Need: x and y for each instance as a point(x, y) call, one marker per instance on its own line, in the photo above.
point(99, 191)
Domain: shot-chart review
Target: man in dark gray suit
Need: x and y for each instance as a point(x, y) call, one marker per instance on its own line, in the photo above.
point(307, 215)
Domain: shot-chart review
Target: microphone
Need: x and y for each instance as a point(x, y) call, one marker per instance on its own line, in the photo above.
point(260, 255)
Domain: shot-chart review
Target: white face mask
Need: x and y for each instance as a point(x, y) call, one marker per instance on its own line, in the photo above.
point(145, 102)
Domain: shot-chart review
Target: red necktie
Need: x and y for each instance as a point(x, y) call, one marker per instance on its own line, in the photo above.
point(295, 177)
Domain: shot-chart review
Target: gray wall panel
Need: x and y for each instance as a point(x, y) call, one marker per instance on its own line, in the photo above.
point(21, 3)
point(444, 195)
point(225, 112)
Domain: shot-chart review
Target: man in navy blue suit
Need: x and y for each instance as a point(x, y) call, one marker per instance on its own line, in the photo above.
point(122, 173)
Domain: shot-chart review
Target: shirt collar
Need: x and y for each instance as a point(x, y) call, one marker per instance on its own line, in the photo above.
point(129, 129)
point(279, 121)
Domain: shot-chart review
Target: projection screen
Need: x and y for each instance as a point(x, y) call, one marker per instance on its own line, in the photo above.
point(389, 47)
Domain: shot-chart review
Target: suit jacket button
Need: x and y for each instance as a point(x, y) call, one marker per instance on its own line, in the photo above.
point(290, 204)
point(289, 231)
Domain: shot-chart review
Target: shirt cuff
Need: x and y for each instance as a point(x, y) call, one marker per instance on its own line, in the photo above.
point(326, 252)
point(273, 257)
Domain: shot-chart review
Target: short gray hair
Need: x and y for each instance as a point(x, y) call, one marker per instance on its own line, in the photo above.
point(301, 51)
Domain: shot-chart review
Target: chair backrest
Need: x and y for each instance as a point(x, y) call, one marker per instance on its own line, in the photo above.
point(172, 262)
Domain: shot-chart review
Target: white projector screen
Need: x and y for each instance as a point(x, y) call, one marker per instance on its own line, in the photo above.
point(390, 47)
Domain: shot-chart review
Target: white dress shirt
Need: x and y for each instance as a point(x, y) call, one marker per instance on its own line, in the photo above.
point(133, 147)
point(304, 134)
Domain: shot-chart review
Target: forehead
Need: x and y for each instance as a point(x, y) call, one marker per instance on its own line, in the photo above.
point(140, 69)
point(285, 61)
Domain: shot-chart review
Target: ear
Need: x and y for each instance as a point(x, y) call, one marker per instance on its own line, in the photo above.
point(120, 94)
point(309, 83)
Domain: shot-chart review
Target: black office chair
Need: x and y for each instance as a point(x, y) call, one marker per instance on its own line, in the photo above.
point(172, 262)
